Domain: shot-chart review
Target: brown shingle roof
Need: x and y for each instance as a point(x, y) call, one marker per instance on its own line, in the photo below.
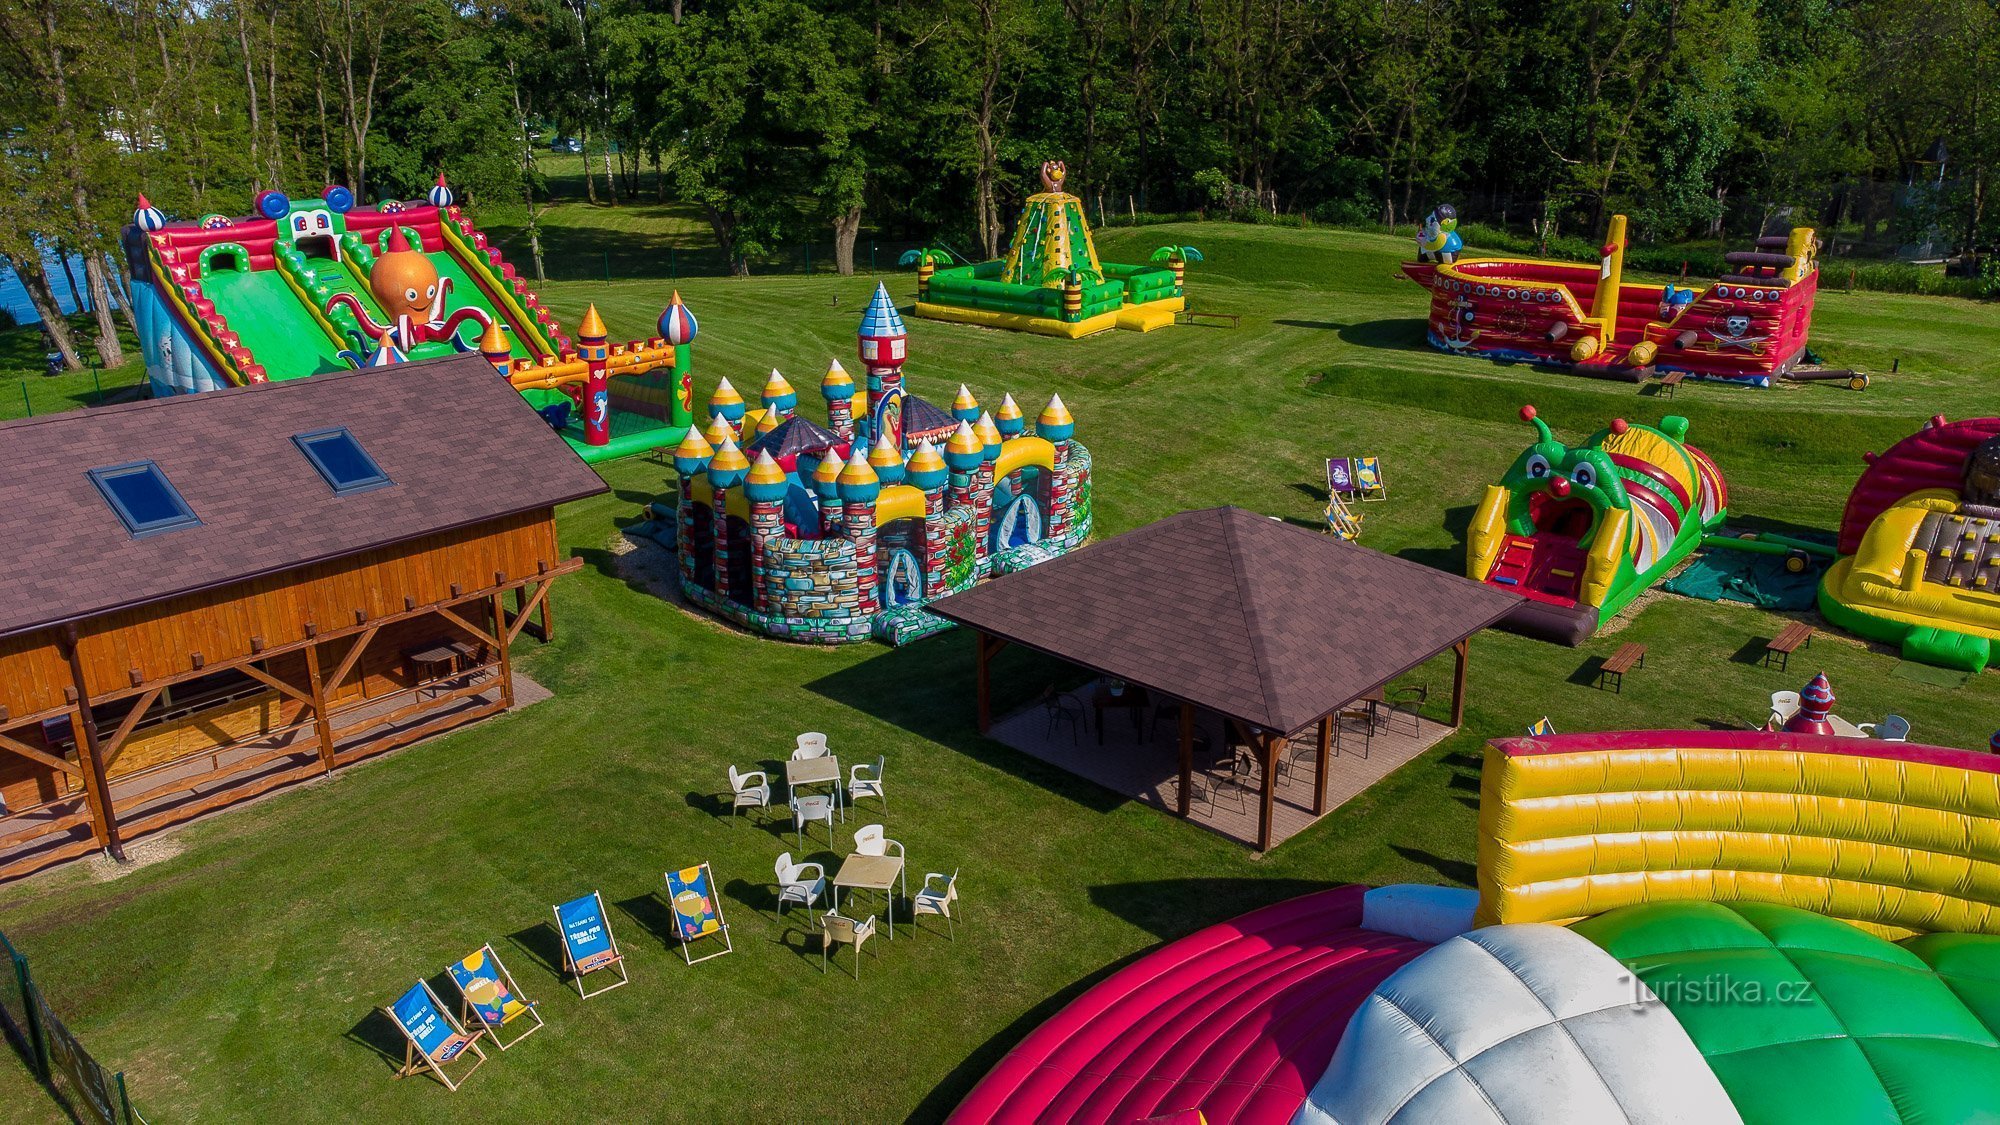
point(1259, 620)
point(460, 445)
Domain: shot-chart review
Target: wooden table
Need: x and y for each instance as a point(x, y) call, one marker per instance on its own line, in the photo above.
point(870, 873)
point(823, 770)
point(1133, 698)
point(447, 654)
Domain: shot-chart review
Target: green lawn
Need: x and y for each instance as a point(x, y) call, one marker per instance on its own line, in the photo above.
point(235, 978)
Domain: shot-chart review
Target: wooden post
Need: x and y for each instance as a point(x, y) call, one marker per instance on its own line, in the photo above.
point(1319, 769)
point(984, 649)
point(1268, 748)
point(506, 659)
point(96, 787)
point(1462, 650)
point(322, 722)
point(1187, 752)
point(548, 621)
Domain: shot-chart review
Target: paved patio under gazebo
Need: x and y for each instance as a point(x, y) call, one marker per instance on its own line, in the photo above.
point(1268, 627)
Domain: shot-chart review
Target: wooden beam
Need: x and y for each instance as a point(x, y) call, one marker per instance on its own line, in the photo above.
point(263, 677)
point(96, 789)
point(1462, 650)
point(322, 721)
point(112, 748)
point(506, 657)
point(478, 633)
point(1187, 753)
point(527, 610)
point(1319, 769)
point(1269, 747)
point(313, 633)
point(347, 662)
point(42, 756)
point(982, 678)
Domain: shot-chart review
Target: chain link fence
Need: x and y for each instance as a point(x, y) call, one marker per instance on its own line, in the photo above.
point(79, 1083)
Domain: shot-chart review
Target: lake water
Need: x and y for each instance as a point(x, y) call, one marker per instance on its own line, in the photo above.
point(14, 295)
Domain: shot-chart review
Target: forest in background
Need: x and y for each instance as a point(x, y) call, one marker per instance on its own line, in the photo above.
point(791, 120)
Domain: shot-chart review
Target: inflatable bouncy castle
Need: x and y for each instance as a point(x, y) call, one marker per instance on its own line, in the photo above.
point(1749, 326)
point(1920, 541)
point(308, 286)
point(1693, 927)
point(1051, 281)
point(1579, 531)
point(833, 534)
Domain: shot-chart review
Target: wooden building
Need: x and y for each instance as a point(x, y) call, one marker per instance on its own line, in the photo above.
point(212, 596)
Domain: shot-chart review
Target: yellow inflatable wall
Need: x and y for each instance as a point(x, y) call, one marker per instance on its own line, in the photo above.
point(1895, 837)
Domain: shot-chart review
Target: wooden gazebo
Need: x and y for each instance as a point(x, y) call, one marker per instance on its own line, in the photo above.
point(214, 595)
point(1271, 626)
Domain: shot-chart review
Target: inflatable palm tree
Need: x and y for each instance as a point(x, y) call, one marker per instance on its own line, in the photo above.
point(1177, 257)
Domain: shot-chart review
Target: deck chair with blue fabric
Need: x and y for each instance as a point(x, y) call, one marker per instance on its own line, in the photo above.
point(492, 997)
point(588, 946)
point(432, 1039)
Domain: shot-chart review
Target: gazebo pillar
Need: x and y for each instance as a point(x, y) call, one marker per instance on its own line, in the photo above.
point(1319, 769)
point(1268, 747)
point(1187, 752)
point(1460, 650)
point(984, 648)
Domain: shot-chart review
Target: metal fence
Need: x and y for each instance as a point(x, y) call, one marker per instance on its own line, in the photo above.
point(78, 1082)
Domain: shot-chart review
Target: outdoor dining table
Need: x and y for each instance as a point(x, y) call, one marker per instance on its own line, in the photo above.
point(1132, 697)
point(870, 873)
point(823, 770)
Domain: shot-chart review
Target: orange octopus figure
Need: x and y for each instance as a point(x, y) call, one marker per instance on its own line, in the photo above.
point(407, 287)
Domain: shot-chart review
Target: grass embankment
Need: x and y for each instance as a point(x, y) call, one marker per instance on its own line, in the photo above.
point(235, 980)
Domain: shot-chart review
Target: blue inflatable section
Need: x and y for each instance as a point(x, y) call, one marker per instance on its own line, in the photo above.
point(175, 364)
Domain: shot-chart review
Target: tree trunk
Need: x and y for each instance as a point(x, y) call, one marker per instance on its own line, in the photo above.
point(108, 348)
point(125, 293)
point(250, 84)
point(724, 226)
point(589, 181)
point(35, 280)
point(845, 229)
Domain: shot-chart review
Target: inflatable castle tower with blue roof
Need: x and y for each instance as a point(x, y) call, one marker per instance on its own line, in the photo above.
point(836, 533)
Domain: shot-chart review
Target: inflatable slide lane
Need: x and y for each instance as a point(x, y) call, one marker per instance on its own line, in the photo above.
point(1580, 531)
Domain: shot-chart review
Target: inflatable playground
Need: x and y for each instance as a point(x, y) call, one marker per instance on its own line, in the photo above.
point(306, 287)
point(1580, 531)
point(1920, 547)
point(1669, 926)
point(834, 534)
point(1749, 326)
point(1051, 281)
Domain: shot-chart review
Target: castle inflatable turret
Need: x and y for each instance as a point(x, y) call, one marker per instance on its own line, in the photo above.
point(839, 532)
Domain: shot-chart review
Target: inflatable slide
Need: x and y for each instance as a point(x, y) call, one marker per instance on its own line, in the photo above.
point(1579, 531)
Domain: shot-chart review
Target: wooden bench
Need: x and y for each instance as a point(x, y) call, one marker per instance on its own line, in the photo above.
point(1670, 380)
point(1628, 657)
point(1789, 640)
point(1192, 316)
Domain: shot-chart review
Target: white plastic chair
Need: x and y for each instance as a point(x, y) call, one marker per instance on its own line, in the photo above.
point(802, 883)
point(806, 810)
point(753, 790)
point(860, 784)
point(837, 929)
point(811, 745)
point(937, 899)
point(1784, 704)
point(869, 839)
point(1892, 728)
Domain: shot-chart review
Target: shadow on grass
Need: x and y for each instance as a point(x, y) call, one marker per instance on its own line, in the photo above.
point(1754, 652)
point(379, 1034)
point(1456, 871)
point(1589, 672)
point(1393, 333)
point(1167, 908)
point(927, 689)
point(1318, 325)
point(541, 942)
point(651, 913)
